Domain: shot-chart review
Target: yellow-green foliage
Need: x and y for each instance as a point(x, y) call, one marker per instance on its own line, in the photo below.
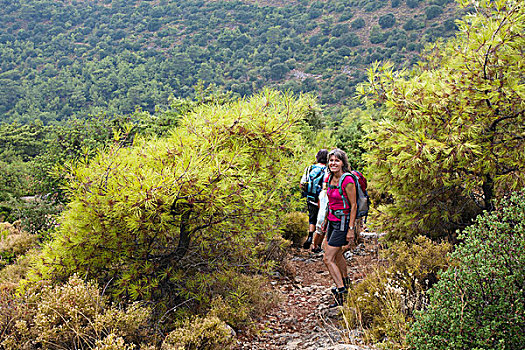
point(70, 316)
point(201, 333)
point(15, 272)
point(156, 217)
point(113, 342)
point(241, 299)
point(295, 226)
point(13, 243)
point(273, 251)
point(451, 136)
point(383, 304)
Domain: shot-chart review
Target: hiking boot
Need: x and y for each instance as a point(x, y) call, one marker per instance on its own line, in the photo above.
point(308, 242)
point(346, 282)
point(340, 296)
point(317, 250)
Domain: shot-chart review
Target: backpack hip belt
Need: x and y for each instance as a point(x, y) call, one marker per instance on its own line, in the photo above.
point(339, 213)
point(343, 215)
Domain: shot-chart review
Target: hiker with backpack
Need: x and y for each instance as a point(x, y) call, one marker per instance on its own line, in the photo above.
point(341, 219)
point(311, 185)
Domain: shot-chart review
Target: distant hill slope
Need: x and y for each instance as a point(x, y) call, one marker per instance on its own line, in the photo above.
point(61, 58)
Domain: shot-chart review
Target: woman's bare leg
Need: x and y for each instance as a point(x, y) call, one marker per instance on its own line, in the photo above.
point(341, 264)
point(330, 260)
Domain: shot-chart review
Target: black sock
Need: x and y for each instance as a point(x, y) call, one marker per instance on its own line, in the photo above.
point(346, 281)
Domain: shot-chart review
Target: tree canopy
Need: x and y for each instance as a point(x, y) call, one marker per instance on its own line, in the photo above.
point(207, 197)
point(452, 135)
point(63, 58)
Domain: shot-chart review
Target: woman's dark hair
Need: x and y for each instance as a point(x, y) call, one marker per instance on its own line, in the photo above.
point(340, 154)
point(322, 156)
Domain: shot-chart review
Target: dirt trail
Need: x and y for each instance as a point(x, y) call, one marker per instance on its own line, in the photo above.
point(302, 320)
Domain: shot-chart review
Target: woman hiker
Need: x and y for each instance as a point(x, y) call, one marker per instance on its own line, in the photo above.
point(340, 221)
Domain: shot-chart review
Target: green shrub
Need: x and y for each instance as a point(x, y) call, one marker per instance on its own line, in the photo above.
point(413, 24)
point(376, 36)
point(345, 16)
point(358, 23)
point(37, 217)
point(273, 252)
point(13, 243)
point(433, 11)
point(240, 299)
point(209, 333)
point(383, 304)
point(70, 316)
point(413, 3)
point(295, 226)
point(150, 220)
point(112, 342)
point(480, 304)
point(387, 21)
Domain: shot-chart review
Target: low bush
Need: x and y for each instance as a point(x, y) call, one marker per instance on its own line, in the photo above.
point(273, 252)
point(113, 342)
point(14, 243)
point(208, 333)
point(387, 21)
point(71, 316)
point(358, 23)
point(37, 216)
point(383, 304)
point(480, 303)
point(240, 299)
point(433, 11)
point(295, 227)
point(13, 273)
point(412, 3)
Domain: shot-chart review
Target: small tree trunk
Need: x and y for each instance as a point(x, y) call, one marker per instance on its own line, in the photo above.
point(184, 240)
point(488, 192)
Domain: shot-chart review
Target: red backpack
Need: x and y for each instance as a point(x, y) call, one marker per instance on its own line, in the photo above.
point(361, 179)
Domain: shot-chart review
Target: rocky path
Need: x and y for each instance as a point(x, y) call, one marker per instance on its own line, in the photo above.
point(302, 320)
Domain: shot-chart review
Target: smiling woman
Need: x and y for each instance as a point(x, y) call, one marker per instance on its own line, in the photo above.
point(341, 220)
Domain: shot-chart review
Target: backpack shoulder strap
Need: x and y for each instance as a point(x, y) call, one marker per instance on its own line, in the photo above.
point(357, 188)
point(307, 171)
point(346, 204)
point(306, 174)
point(329, 181)
point(356, 180)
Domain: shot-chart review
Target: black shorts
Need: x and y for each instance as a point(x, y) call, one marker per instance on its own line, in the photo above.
point(334, 235)
point(313, 210)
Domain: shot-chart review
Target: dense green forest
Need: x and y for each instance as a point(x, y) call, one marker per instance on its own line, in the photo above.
point(64, 58)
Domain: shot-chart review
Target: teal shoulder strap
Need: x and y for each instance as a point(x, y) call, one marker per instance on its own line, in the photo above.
point(346, 205)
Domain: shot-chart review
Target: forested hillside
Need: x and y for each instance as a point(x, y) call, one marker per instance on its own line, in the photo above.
point(61, 58)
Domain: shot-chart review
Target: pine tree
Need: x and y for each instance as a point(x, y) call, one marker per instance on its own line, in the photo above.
point(453, 134)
